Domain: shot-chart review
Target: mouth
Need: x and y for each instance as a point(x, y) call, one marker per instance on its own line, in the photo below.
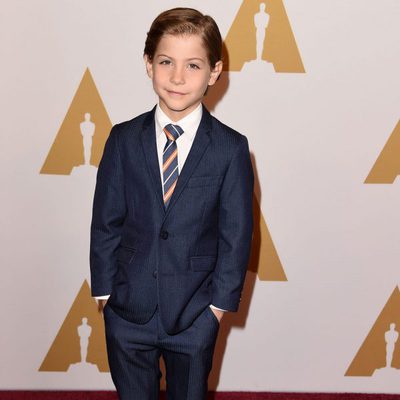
point(173, 93)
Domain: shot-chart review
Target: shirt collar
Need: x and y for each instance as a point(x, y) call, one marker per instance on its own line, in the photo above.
point(189, 124)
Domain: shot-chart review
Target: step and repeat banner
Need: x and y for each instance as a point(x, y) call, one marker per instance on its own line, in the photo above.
point(313, 84)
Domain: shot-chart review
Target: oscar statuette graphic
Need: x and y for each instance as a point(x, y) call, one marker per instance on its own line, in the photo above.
point(261, 40)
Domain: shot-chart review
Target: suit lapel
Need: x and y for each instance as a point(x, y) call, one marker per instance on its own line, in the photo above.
point(149, 146)
point(200, 143)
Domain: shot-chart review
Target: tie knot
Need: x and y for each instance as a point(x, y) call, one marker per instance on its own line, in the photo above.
point(173, 132)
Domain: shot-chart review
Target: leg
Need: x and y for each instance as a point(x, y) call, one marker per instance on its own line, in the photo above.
point(133, 357)
point(188, 358)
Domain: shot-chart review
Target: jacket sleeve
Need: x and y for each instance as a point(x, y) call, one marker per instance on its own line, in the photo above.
point(109, 211)
point(235, 227)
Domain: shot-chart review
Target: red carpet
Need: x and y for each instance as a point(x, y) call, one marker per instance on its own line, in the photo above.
point(68, 395)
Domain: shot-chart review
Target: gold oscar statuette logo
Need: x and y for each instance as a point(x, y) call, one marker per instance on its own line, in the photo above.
point(387, 165)
point(379, 355)
point(261, 34)
point(80, 140)
point(80, 344)
point(264, 258)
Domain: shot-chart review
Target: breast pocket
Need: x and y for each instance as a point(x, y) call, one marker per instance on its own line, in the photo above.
point(203, 181)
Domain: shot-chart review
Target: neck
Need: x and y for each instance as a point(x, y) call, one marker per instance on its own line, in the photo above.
point(177, 115)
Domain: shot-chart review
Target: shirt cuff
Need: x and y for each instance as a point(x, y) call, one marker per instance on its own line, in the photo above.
point(106, 297)
point(217, 308)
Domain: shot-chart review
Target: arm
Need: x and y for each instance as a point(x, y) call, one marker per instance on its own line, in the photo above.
point(235, 230)
point(109, 210)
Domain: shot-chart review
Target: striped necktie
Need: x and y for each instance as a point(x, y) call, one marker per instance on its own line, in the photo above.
point(170, 161)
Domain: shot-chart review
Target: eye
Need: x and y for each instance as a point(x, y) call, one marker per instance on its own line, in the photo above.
point(165, 62)
point(193, 66)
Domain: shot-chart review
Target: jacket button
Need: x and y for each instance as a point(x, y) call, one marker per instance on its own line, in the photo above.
point(164, 235)
point(155, 274)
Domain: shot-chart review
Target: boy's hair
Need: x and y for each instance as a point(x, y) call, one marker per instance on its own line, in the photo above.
point(185, 21)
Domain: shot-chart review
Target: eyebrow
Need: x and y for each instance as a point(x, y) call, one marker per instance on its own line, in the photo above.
point(189, 59)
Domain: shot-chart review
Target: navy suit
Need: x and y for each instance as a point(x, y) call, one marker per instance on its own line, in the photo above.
point(179, 260)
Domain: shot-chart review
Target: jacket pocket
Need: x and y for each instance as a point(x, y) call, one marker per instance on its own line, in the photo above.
point(203, 263)
point(125, 254)
point(202, 181)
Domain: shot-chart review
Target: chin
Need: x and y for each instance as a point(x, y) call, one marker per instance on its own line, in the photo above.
point(177, 108)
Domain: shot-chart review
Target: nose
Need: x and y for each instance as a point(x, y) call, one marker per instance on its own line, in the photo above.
point(177, 76)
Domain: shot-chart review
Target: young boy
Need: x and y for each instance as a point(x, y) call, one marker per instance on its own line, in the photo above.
point(172, 219)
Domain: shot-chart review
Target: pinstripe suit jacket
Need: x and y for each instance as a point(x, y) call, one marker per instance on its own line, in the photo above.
point(185, 257)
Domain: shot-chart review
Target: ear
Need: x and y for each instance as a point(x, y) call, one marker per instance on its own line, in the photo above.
point(215, 73)
point(149, 66)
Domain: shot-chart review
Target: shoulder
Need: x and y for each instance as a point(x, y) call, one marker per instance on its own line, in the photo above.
point(133, 126)
point(226, 136)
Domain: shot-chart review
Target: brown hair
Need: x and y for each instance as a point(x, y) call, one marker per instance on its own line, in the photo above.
point(185, 21)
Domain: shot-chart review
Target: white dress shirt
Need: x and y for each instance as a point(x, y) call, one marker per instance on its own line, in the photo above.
point(189, 125)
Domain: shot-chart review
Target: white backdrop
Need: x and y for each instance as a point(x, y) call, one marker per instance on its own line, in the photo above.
point(315, 136)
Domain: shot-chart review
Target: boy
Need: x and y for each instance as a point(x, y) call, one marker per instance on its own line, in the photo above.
point(171, 252)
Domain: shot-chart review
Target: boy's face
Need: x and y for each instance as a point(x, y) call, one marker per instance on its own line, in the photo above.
point(181, 73)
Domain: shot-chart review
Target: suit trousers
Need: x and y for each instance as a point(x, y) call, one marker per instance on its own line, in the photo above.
point(134, 352)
